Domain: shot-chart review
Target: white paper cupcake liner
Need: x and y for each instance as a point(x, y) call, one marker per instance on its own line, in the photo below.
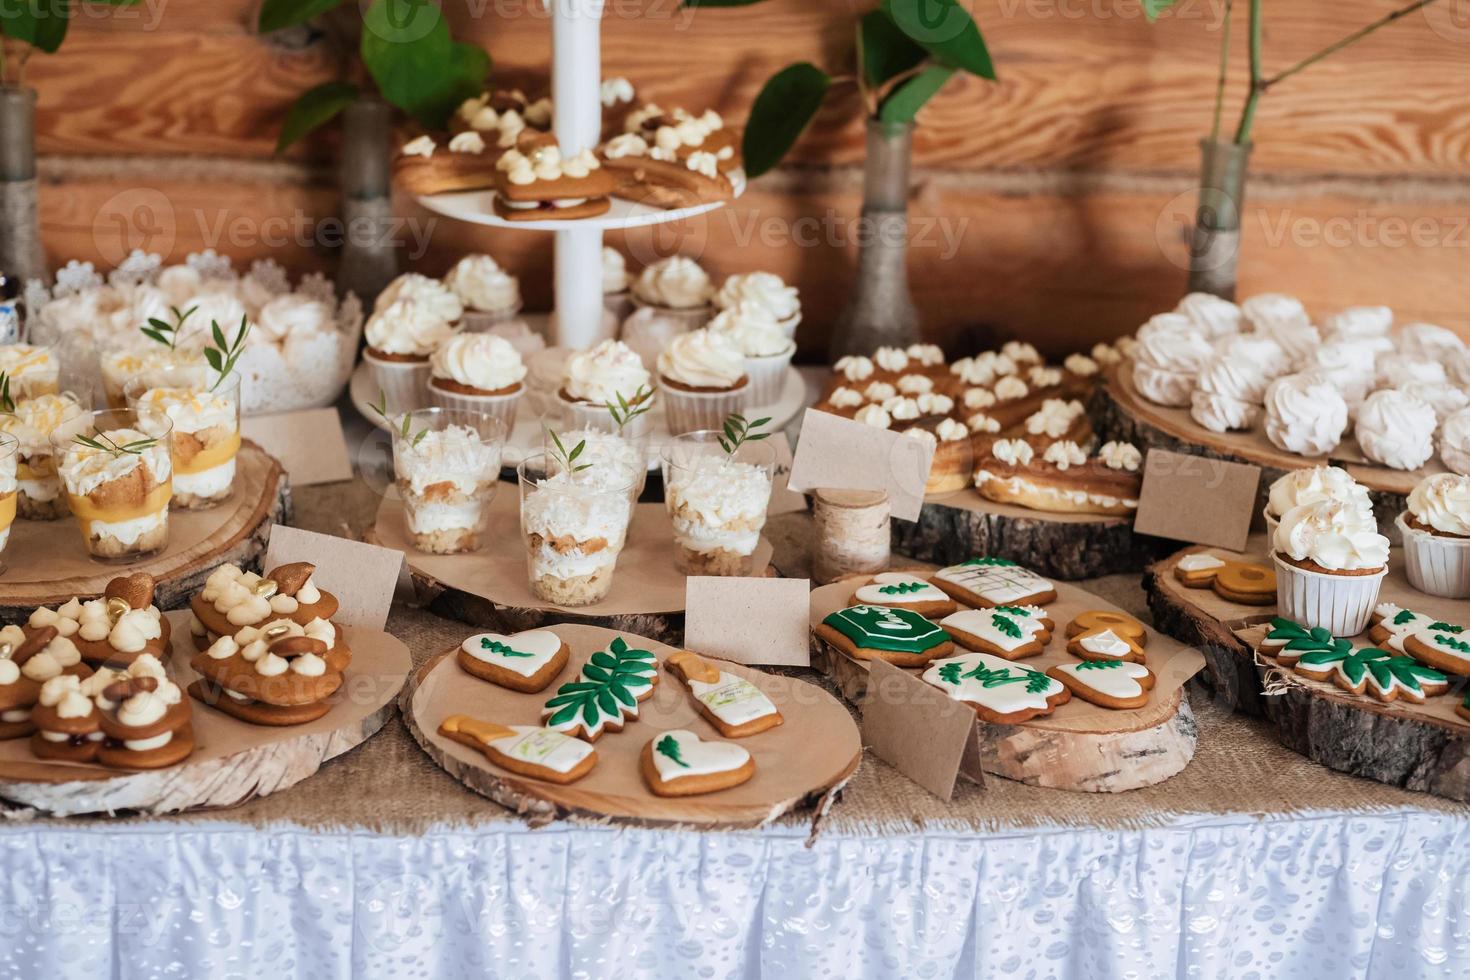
point(1340, 604)
point(691, 411)
point(502, 407)
point(1271, 525)
point(1436, 565)
point(767, 377)
point(405, 384)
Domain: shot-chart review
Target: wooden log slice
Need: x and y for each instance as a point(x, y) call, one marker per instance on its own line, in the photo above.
point(46, 565)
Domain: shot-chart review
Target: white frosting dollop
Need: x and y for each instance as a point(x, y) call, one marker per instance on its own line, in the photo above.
point(605, 371)
point(702, 359)
point(481, 284)
point(407, 328)
point(1396, 429)
point(1334, 535)
point(764, 291)
point(614, 271)
point(1443, 502)
point(479, 360)
point(753, 330)
point(677, 282)
point(1305, 414)
point(1313, 485)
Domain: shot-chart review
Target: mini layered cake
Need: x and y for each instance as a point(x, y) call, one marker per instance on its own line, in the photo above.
point(446, 478)
point(67, 720)
point(1063, 478)
point(115, 630)
point(233, 599)
point(141, 356)
point(31, 423)
point(146, 720)
point(205, 436)
point(27, 662)
point(535, 182)
point(718, 507)
point(119, 488)
point(278, 674)
point(575, 527)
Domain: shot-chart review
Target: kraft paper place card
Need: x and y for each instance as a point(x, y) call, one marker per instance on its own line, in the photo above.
point(784, 500)
point(749, 620)
point(835, 453)
point(310, 444)
point(918, 730)
point(1197, 499)
point(362, 576)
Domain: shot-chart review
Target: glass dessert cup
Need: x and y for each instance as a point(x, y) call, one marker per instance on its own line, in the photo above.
point(717, 501)
point(574, 525)
point(446, 466)
point(606, 448)
point(33, 370)
point(204, 429)
point(9, 489)
point(122, 364)
point(117, 481)
point(34, 419)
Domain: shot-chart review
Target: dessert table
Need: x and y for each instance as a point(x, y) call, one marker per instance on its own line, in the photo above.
point(1252, 861)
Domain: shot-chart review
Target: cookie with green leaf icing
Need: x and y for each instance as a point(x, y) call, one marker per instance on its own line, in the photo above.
point(1381, 674)
point(901, 590)
point(1117, 684)
point(1012, 632)
point(899, 636)
point(1442, 645)
point(680, 763)
point(988, 581)
point(1001, 692)
point(524, 662)
point(605, 694)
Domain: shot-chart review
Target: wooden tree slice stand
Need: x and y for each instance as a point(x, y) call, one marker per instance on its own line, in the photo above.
point(803, 762)
point(1119, 412)
point(1078, 747)
point(46, 563)
point(233, 762)
point(1419, 747)
point(489, 588)
point(957, 526)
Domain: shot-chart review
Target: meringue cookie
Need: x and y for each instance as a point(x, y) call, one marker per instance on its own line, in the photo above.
point(1236, 377)
point(1446, 399)
point(1213, 316)
point(1332, 534)
point(1270, 311)
point(1172, 323)
point(1396, 429)
point(1359, 323)
point(1427, 340)
point(1397, 370)
point(1348, 364)
point(1266, 354)
point(1163, 387)
point(1454, 442)
point(1298, 340)
point(1221, 413)
point(1305, 415)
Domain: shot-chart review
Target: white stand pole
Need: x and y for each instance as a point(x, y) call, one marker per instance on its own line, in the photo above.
point(576, 81)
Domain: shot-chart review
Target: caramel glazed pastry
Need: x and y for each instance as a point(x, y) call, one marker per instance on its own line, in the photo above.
point(233, 599)
point(1063, 479)
point(114, 630)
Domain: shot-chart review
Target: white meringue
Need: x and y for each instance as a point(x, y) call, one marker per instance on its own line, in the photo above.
point(1305, 414)
point(1397, 370)
point(1454, 442)
point(1213, 316)
point(1270, 311)
point(1396, 429)
point(1427, 340)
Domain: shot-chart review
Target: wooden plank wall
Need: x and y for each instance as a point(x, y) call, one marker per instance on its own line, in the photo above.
point(1051, 205)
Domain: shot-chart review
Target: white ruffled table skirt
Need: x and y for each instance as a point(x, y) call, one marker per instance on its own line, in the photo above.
point(1323, 895)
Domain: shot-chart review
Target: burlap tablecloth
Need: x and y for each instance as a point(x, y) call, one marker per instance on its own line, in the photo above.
point(389, 785)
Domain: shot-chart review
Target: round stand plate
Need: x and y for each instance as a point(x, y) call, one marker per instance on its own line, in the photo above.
point(489, 588)
point(1079, 746)
point(46, 563)
point(1422, 747)
point(233, 761)
point(811, 755)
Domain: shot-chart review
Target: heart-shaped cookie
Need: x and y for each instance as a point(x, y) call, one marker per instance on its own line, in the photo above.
point(524, 662)
point(680, 763)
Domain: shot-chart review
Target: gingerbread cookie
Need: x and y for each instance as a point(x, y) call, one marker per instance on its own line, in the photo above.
point(146, 719)
point(1244, 582)
point(68, 724)
point(525, 662)
point(1011, 632)
point(28, 661)
point(276, 675)
point(526, 750)
point(680, 763)
point(985, 582)
point(1114, 683)
point(1443, 646)
point(899, 636)
point(1102, 635)
point(232, 598)
point(1000, 692)
point(116, 629)
point(900, 590)
point(605, 694)
point(1120, 623)
point(734, 705)
point(1390, 623)
point(1314, 653)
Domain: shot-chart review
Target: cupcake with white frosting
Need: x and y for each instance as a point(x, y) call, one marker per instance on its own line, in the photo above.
point(1330, 563)
point(702, 378)
point(478, 372)
point(1305, 414)
point(1396, 429)
point(1436, 531)
point(596, 378)
point(765, 292)
point(574, 525)
point(446, 466)
point(1170, 354)
point(717, 502)
point(765, 345)
point(487, 292)
point(403, 332)
point(676, 287)
point(1312, 485)
point(615, 297)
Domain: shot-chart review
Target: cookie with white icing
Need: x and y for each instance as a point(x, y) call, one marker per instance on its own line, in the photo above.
point(606, 693)
point(1011, 632)
point(902, 590)
point(1380, 674)
point(1442, 645)
point(680, 763)
point(527, 750)
point(1117, 683)
point(732, 704)
point(1245, 582)
point(900, 636)
point(524, 662)
point(985, 581)
point(999, 691)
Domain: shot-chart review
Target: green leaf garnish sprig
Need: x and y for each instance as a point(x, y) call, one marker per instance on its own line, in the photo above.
point(165, 333)
point(624, 412)
point(7, 404)
point(738, 432)
point(403, 424)
point(568, 459)
point(223, 356)
point(102, 443)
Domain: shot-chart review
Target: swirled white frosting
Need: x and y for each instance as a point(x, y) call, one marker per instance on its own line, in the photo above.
point(753, 330)
point(602, 373)
point(1446, 399)
point(430, 295)
point(1234, 377)
point(677, 282)
point(1359, 323)
point(1305, 414)
point(1178, 347)
point(1270, 311)
point(1213, 316)
point(702, 359)
point(1313, 485)
point(765, 291)
point(1221, 413)
point(614, 271)
point(1261, 351)
point(1443, 502)
point(1120, 456)
point(873, 415)
point(1396, 429)
point(1332, 534)
point(1397, 370)
point(405, 327)
point(479, 360)
point(481, 284)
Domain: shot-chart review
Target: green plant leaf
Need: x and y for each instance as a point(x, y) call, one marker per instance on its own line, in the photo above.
point(782, 111)
point(277, 15)
point(1152, 8)
point(40, 23)
point(944, 29)
point(407, 50)
point(315, 108)
point(464, 77)
point(904, 102)
point(886, 50)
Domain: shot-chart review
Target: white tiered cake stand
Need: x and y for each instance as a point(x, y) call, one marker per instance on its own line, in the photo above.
point(576, 81)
